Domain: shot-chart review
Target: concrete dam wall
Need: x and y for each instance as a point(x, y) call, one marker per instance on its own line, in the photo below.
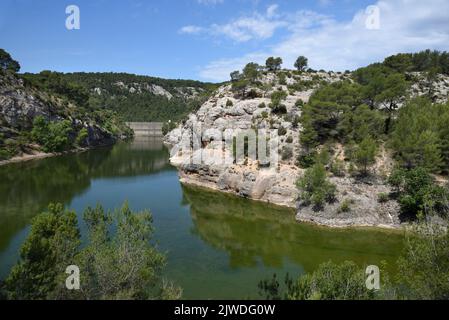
point(146, 129)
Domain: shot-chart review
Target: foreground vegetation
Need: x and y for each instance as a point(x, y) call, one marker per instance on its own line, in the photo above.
point(117, 261)
point(423, 274)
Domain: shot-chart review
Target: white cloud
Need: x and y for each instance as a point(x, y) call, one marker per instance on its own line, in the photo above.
point(190, 30)
point(219, 70)
point(405, 26)
point(271, 10)
point(254, 27)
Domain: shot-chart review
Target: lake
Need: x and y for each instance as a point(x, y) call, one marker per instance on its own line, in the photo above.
point(218, 246)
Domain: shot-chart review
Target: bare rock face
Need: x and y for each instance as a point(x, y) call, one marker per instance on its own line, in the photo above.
point(225, 111)
point(18, 107)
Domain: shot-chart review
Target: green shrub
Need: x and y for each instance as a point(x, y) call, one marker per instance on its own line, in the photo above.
point(282, 131)
point(229, 103)
point(278, 109)
point(168, 126)
point(4, 154)
point(337, 168)
point(277, 97)
point(345, 206)
point(81, 137)
point(52, 136)
point(299, 103)
point(262, 105)
point(418, 193)
point(315, 187)
point(289, 139)
point(306, 159)
point(383, 197)
point(330, 281)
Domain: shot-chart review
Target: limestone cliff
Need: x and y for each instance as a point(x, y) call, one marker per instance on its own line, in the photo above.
point(250, 109)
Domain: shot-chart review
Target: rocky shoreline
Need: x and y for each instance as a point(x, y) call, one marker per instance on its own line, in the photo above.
point(38, 155)
point(276, 185)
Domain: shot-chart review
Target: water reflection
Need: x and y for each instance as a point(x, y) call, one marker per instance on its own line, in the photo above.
point(27, 188)
point(251, 231)
point(218, 246)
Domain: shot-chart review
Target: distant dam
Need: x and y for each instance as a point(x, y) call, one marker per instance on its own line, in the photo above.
point(146, 129)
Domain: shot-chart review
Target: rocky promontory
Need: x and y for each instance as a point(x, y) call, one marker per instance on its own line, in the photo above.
point(237, 110)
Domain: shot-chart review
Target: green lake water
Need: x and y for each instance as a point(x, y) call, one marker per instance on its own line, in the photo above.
point(217, 245)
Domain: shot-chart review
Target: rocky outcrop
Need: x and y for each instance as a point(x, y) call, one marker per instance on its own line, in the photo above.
point(21, 104)
point(210, 163)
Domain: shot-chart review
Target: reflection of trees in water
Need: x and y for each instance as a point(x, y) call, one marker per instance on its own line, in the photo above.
point(142, 156)
point(27, 188)
point(250, 231)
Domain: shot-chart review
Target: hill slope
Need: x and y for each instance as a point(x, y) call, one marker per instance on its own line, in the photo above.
point(143, 98)
point(341, 138)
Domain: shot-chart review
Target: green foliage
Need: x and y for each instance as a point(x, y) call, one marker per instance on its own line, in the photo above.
point(52, 136)
point(423, 274)
point(7, 63)
point(240, 87)
point(315, 187)
point(276, 98)
point(418, 193)
point(420, 135)
point(301, 63)
point(282, 131)
point(383, 197)
point(251, 72)
point(168, 126)
point(361, 122)
point(118, 262)
point(345, 206)
point(143, 104)
point(326, 108)
point(262, 105)
point(420, 61)
point(273, 64)
point(83, 134)
point(365, 154)
point(299, 103)
point(51, 246)
point(57, 84)
point(235, 75)
point(337, 167)
point(424, 266)
point(329, 281)
point(229, 103)
point(289, 139)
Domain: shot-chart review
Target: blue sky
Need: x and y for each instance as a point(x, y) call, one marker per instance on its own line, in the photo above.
point(206, 39)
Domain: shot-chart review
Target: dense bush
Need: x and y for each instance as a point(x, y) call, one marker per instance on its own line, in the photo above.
point(52, 136)
point(423, 274)
point(420, 135)
point(418, 193)
point(117, 262)
point(315, 187)
point(329, 281)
